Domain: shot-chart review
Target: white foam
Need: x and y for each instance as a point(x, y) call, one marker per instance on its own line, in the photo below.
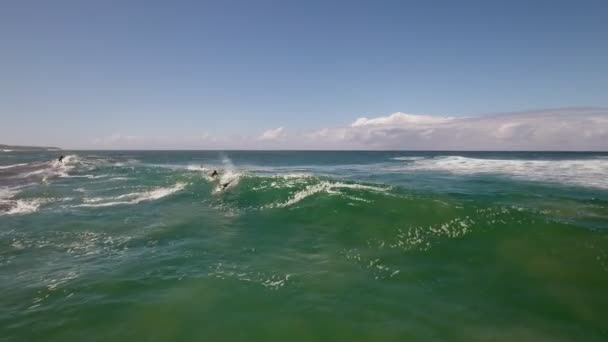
point(228, 177)
point(11, 166)
point(22, 207)
point(68, 161)
point(55, 283)
point(324, 186)
point(581, 172)
point(7, 192)
point(114, 198)
point(119, 178)
point(232, 271)
point(133, 198)
point(86, 176)
point(33, 173)
point(53, 168)
point(196, 168)
point(296, 175)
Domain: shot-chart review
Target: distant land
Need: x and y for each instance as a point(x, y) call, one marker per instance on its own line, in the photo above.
point(7, 148)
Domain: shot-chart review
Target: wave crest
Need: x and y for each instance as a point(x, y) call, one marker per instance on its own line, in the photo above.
point(133, 198)
point(325, 186)
point(579, 172)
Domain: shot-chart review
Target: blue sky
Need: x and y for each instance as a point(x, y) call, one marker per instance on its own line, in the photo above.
point(227, 74)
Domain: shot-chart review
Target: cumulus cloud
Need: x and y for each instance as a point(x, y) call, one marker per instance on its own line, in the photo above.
point(272, 134)
point(561, 129)
point(401, 119)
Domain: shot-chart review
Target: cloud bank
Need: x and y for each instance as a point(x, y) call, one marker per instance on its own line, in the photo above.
point(562, 129)
point(558, 129)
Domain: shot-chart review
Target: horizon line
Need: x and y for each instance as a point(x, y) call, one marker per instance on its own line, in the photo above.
point(319, 150)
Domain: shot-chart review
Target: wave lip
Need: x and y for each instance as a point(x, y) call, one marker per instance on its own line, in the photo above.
point(133, 198)
point(325, 186)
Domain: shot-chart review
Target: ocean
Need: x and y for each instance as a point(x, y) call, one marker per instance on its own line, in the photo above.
point(303, 246)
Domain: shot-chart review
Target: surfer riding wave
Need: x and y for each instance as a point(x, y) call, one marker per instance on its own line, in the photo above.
point(216, 176)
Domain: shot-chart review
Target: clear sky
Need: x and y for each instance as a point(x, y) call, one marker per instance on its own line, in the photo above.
point(271, 74)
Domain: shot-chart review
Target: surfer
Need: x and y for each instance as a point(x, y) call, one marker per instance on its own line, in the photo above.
point(216, 175)
point(60, 158)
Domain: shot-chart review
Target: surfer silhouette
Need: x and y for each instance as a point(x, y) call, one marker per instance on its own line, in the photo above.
point(216, 176)
point(60, 158)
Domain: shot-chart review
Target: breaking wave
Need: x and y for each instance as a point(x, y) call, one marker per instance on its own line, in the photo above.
point(133, 198)
point(579, 172)
point(105, 182)
point(20, 206)
point(324, 186)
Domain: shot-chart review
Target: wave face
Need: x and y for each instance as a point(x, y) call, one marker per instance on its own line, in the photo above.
point(324, 245)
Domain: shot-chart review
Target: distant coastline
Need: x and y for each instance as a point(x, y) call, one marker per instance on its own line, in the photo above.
point(10, 148)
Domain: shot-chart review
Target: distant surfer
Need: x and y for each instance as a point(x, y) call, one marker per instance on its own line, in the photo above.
point(60, 159)
point(214, 174)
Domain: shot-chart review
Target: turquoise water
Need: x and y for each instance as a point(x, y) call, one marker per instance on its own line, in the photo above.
point(382, 246)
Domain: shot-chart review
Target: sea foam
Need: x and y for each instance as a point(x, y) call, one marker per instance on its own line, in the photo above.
point(20, 206)
point(325, 186)
point(133, 198)
point(580, 172)
point(3, 167)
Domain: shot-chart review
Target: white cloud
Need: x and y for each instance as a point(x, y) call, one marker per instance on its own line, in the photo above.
point(561, 129)
point(401, 119)
point(272, 134)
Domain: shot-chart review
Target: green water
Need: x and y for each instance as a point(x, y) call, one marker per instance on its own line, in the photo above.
point(305, 246)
